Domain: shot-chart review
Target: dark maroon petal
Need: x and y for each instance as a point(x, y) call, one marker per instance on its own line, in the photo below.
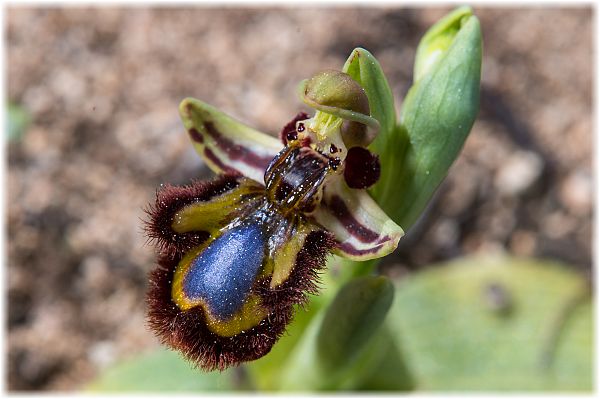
point(362, 168)
point(289, 130)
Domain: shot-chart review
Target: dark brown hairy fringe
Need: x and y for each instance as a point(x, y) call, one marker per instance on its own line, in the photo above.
point(169, 200)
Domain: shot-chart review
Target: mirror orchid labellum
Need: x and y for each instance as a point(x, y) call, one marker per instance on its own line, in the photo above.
point(237, 253)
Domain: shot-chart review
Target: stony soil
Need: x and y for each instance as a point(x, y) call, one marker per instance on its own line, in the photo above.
point(102, 86)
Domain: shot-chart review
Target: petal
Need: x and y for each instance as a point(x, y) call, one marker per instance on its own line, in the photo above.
point(363, 231)
point(225, 144)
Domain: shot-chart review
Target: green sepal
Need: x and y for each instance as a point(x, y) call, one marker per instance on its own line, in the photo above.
point(365, 69)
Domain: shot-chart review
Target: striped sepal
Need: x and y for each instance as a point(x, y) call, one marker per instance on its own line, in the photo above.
point(225, 144)
point(362, 229)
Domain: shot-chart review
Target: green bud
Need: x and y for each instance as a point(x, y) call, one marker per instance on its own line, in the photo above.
point(342, 340)
point(355, 314)
point(437, 115)
point(438, 39)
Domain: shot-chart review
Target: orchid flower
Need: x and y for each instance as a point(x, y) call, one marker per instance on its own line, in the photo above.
point(240, 251)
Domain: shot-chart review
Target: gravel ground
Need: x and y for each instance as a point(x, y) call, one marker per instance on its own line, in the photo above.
point(102, 86)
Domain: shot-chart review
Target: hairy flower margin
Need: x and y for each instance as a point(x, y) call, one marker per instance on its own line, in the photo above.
point(238, 253)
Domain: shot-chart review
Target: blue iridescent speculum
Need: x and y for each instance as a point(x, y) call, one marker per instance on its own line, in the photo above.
point(224, 272)
point(241, 251)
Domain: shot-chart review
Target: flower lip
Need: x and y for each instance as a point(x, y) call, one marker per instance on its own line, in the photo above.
point(188, 332)
point(225, 296)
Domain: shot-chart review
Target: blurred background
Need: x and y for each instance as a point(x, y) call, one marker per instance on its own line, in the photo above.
point(94, 130)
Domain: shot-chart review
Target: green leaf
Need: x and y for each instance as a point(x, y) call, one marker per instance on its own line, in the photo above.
point(496, 324)
point(356, 312)
point(160, 371)
point(390, 372)
point(437, 115)
point(266, 372)
point(340, 344)
point(17, 122)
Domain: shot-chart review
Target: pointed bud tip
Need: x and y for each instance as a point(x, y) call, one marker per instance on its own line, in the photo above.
point(438, 39)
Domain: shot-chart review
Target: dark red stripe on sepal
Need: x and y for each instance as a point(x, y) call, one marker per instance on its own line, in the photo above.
point(350, 249)
point(339, 209)
point(234, 151)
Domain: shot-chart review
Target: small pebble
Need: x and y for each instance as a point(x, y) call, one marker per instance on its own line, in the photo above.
point(518, 173)
point(576, 192)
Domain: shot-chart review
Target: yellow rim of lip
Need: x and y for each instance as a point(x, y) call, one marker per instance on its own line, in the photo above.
point(250, 315)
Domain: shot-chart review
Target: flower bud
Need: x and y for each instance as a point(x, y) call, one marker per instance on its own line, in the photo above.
point(338, 342)
point(436, 118)
point(438, 39)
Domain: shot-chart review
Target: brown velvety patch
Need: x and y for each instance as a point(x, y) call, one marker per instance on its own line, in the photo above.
point(169, 200)
point(362, 168)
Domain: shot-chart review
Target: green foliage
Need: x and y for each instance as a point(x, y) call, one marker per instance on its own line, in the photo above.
point(474, 324)
point(18, 120)
point(496, 324)
point(438, 39)
point(160, 371)
point(337, 347)
point(437, 115)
